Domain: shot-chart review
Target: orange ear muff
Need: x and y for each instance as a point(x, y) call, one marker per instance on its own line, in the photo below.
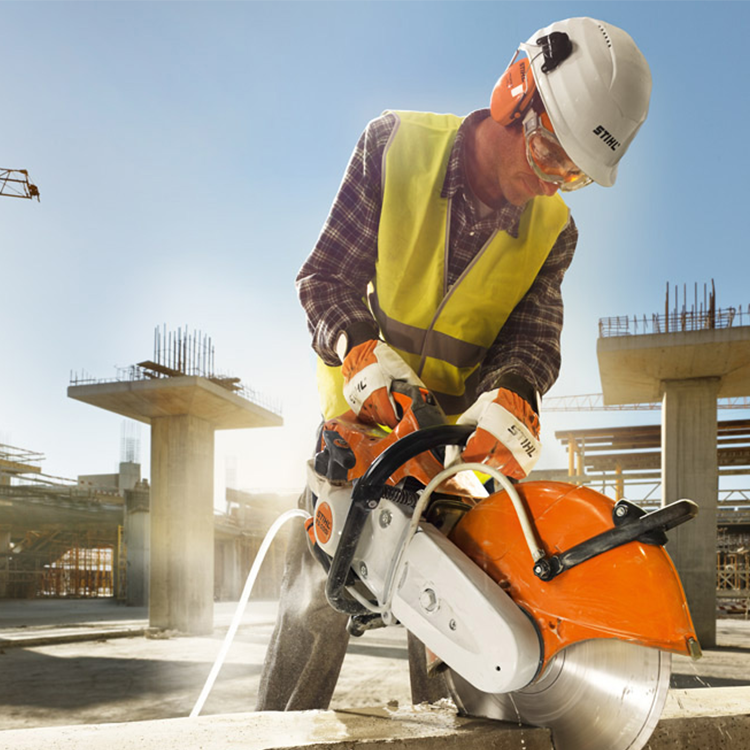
point(513, 92)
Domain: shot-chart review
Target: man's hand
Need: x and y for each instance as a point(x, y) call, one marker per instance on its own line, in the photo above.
point(506, 435)
point(368, 370)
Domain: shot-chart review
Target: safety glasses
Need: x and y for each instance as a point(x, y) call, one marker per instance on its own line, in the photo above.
point(546, 155)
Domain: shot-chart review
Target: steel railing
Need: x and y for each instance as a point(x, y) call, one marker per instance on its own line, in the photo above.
point(688, 320)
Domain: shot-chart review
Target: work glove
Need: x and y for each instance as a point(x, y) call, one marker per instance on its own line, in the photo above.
point(506, 435)
point(368, 370)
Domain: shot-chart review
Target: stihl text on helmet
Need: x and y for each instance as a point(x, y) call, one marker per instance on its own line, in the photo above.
point(607, 137)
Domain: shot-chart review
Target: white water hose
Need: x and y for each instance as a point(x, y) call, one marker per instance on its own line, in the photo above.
point(527, 527)
point(249, 583)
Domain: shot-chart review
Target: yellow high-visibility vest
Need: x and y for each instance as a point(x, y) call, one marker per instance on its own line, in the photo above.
point(442, 333)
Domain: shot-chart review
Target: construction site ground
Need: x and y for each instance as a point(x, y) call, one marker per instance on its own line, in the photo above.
point(93, 661)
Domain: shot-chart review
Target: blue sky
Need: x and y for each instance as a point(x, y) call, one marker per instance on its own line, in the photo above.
point(187, 155)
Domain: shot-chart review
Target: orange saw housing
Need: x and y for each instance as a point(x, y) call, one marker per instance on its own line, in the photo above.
point(631, 592)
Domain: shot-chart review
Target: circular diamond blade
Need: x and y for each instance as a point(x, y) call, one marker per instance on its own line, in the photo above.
point(593, 695)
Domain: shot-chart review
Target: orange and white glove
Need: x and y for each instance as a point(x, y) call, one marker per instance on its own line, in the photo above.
point(368, 370)
point(506, 435)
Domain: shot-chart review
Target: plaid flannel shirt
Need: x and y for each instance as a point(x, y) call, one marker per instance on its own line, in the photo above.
point(333, 280)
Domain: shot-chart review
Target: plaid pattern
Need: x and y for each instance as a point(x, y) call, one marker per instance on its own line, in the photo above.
point(333, 280)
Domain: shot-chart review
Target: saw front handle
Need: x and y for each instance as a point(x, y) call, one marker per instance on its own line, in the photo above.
point(631, 524)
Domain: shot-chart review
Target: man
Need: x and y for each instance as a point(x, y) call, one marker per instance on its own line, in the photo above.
point(441, 263)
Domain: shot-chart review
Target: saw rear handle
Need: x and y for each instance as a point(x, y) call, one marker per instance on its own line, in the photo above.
point(366, 495)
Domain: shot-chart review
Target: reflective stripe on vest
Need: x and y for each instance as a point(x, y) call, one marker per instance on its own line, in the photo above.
point(442, 333)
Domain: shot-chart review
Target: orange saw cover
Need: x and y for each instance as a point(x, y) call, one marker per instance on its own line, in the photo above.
point(631, 592)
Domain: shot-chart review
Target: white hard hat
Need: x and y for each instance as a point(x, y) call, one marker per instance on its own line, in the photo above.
point(595, 86)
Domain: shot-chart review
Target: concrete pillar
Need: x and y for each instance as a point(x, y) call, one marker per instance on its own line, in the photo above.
point(4, 554)
point(690, 470)
point(571, 457)
point(227, 572)
point(182, 524)
point(183, 412)
point(138, 541)
point(129, 476)
point(234, 581)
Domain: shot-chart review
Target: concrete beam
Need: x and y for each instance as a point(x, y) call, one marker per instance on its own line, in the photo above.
point(144, 400)
point(633, 367)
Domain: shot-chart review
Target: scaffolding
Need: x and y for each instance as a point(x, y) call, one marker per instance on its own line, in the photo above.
point(612, 457)
point(82, 572)
point(700, 316)
point(733, 581)
point(61, 563)
point(58, 536)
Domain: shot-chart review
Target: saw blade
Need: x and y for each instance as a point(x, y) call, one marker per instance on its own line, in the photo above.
point(594, 695)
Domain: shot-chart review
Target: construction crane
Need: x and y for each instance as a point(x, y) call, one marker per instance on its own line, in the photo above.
point(15, 183)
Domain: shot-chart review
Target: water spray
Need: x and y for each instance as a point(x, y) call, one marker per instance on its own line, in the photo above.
point(249, 583)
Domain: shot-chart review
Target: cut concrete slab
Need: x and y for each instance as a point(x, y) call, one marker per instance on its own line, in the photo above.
point(435, 727)
point(152, 684)
point(706, 702)
point(705, 719)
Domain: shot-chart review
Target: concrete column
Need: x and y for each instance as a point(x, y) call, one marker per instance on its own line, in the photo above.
point(182, 524)
point(137, 539)
point(227, 569)
point(4, 553)
point(129, 476)
point(233, 580)
point(690, 470)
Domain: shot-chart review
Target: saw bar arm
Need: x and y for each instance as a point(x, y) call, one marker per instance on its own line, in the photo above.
point(631, 524)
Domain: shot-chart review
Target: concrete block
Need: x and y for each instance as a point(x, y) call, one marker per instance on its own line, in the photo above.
point(420, 727)
point(704, 719)
point(700, 719)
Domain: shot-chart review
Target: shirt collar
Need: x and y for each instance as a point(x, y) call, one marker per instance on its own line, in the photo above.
point(507, 216)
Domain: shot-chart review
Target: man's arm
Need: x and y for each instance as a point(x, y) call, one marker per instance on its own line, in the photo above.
point(527, 349)
point(332, 282)
point(524, 360)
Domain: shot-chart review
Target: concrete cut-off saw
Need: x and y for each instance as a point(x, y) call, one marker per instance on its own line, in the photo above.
point(545, 603)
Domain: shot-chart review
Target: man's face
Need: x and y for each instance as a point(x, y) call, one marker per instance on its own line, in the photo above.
point(515, 177)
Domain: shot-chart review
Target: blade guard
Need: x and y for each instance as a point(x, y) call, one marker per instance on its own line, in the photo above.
point(631, 592)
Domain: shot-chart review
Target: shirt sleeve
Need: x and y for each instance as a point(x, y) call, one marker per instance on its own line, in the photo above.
point(529, 343)
point(332, 283)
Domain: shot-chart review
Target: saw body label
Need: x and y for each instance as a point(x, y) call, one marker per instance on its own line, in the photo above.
point(323, 522)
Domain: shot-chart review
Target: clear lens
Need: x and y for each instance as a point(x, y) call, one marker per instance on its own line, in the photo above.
point(550, 162)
